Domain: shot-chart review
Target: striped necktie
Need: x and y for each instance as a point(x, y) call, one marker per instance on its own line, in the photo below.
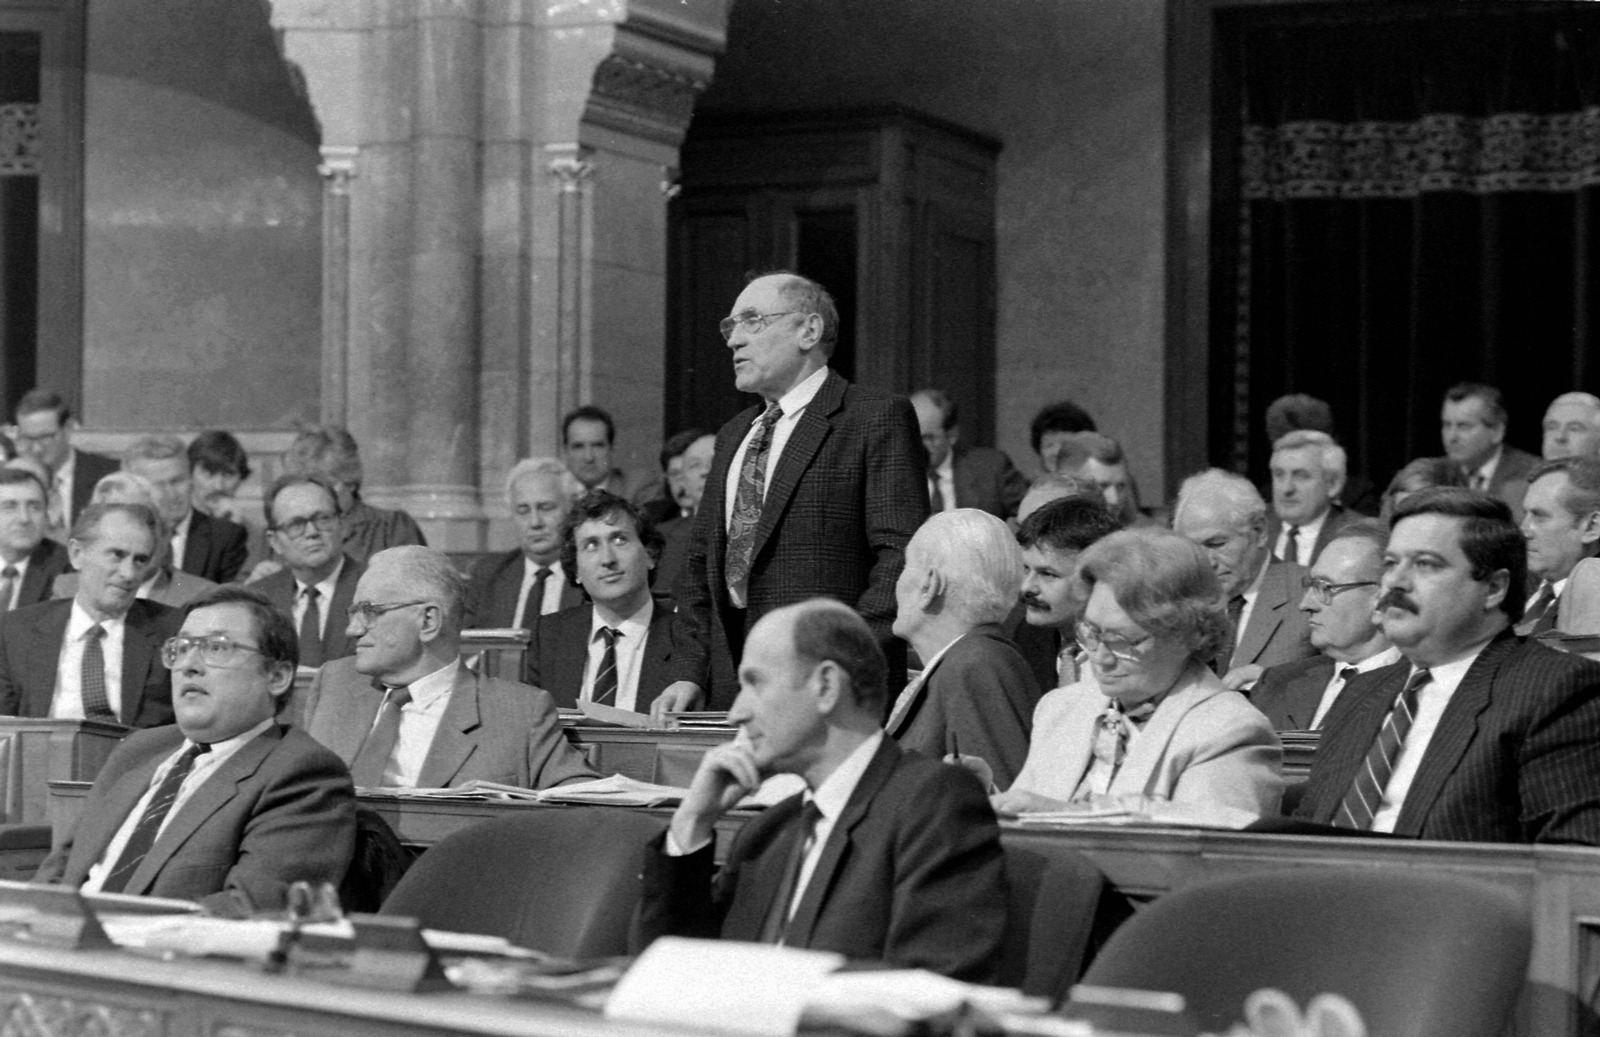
point(605, 679)
point(149, 826)
point(1366, 792)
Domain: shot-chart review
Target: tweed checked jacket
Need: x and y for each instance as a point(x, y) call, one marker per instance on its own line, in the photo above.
point(846, 495)
point(1515, 758)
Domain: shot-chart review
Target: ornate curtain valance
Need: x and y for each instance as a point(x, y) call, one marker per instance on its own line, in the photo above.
point(19, 140)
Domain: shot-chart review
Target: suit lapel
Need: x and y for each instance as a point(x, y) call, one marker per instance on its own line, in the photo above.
point(50, 631)
point(206, 800)
point(100, 826)
point(1360, 725)
point(1146, 752)
point(657, 655)
point(1304, 695)
point(1264, 617)
point(196, 544)
point(804, 442)
point(1458, 725)
point(456, 738)
point(900, 719)
point(884, 761)
point(138, 649)
point(344, 592)
point(571, 636)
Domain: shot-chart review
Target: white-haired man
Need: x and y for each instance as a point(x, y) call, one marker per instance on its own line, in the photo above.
point(1226, 516)
point(1572, 426)
point(976, 693)
point(1308, 472)
point(516, 588)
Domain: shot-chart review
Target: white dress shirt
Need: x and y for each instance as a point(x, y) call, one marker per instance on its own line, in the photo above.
point(1432, 698)
point(630, 656)
point(180, 539)
point(554, 585)
point(16, 581)
point(1305, 544)
point(1337, 682)
point(63, 488)
point(945, 476)
point(68, 701)
point(793, 404)
point(325, 588)
point(419, 722)
point(205, 765)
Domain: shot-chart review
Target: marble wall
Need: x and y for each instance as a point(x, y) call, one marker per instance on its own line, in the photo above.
point(1075, 91)
point(202, 228)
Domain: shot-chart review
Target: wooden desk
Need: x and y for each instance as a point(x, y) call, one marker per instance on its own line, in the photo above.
point(662, 757)
point(37, 750)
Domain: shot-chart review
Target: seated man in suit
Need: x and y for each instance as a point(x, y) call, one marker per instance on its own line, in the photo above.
point(686, 459)
point(886, 856)
point(1052, 538)
point(45, 428)
point(615, 649)
point(95, 656)
point(32, 560)
point(1099, 461)
point(227, 807)
point(1477, 735)
point(1308, 470)
point(330, 453)
point(1340, 596)
point(318, 581)
point(975, 694)
point(404, 711)
point(516, 588)
point(1561, 522)
point(959, 475)
point(164, 584)
point(1226, 516)
point(1572, 426)
point(1473, 427)
point(211, 548)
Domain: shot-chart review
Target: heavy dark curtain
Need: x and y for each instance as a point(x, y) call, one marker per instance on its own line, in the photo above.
point(1405, 199)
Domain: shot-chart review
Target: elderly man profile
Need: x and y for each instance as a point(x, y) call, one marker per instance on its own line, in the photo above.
point(1341, 593)
point(1476, 735)
point(211, 548)
point(513, 589)
point(45, 430)
point(1150, 723)
point(1473, 427)
point(886, 856)
point(1308, 470)
point(1561, 523)
point(163, 583)
point(95, 656)
point(961, 475)
point(1226, 516)
point(1572, 426)
point(404, 711)
point(975, 694)
point(228, 806)
point(31, 560)
point(814, 494)
point(306, 528)
point(615, 648)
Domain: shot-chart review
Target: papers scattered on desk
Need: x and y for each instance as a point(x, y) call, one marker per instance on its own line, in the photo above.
point(699, 985)
point(253, 939)
point(1155, 813)
point(707, 719)
point(617, 790)
point(605, 714)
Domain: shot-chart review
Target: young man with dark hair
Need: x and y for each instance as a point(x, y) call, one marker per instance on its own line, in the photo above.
point(1052, 538)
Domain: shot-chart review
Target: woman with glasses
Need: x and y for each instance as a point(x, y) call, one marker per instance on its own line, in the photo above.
point(1150, 728)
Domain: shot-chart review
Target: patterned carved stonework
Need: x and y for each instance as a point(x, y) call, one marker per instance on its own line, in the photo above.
point(19, 140)
point(36, 1015)
point(656, 89)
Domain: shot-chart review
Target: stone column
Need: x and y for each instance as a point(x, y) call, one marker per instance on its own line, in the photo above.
point(338, 169)
point(573, 173)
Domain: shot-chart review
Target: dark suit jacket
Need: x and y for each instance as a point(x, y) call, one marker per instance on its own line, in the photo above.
point(985, 478)
point(1278, 632)
point(30, 646)
point(676, 531)
point(279, 811)
point(493, 590)
point(368, 530)
point(978, 699)
point(492, 730)
point(280, 590)
point(1515, 758)
point(911, 874)
point(559, 651)
point(1510, 480)
point(1290, 693)
point(47, 561)
point(847, 494)
point(1338, 517)
point(216, 548)
point(1040, 646)
point(88, 469)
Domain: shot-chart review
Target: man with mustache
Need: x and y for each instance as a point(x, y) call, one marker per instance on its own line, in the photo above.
point(1052, 538)
point(1476, 735)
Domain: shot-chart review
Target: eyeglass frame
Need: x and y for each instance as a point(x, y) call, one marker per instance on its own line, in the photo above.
point(370, 612)
point(756, 322)
point(180, 645)
point(1324, 591)
point(324, 521)
point(1080, 632)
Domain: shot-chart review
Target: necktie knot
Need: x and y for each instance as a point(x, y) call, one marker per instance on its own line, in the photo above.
point(311, 593)
point(399, 696)
point(542, 573)
point(1348, 673)
point(94, 633)
point(610, 635)
point(9, 572)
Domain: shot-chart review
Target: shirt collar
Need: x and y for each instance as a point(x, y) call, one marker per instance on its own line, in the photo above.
point(79, 622)
point(426, 689)
point(1487, 468)
point(326, 585)
point(796, 399)
point(228, 746)
point(837, 788)
point(1387, 657)
point(633, 627)
point(1449, 674)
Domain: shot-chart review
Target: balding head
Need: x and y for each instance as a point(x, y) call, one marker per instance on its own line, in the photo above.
point(1572, 426)
point(1223, 513)
point(963, 568)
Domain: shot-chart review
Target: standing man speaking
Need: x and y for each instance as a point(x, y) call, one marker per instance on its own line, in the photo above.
point(813, 493)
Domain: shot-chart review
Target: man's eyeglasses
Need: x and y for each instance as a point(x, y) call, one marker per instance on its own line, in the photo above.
point(368, 612)
point(215, 650)
point(294, 529)
point(1322, 591)
point(1092, 638)
point(752, 323)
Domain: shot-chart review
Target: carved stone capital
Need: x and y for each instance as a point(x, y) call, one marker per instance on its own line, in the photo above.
point(643, 99)
point(569, 164)
point(338, 167)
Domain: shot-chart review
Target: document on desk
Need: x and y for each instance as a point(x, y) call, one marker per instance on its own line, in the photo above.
point(722, 985)
point(1159, 814)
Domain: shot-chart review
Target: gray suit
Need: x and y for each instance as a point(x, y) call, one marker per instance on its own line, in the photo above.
point(1278, 632)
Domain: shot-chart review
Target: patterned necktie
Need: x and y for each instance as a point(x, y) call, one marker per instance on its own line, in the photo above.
point(311, 630)
point(92, 677)
point(8, 586)
point(149, 826)
point(1113, 730)
point(1366, 792)
point(803, 829)
point(1541, 613)
point(747, 501)
point(935, 497)
point(1224, 659)
point(1291, 546)
point(605, 680)
point(533, 608)
point(368, 768)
